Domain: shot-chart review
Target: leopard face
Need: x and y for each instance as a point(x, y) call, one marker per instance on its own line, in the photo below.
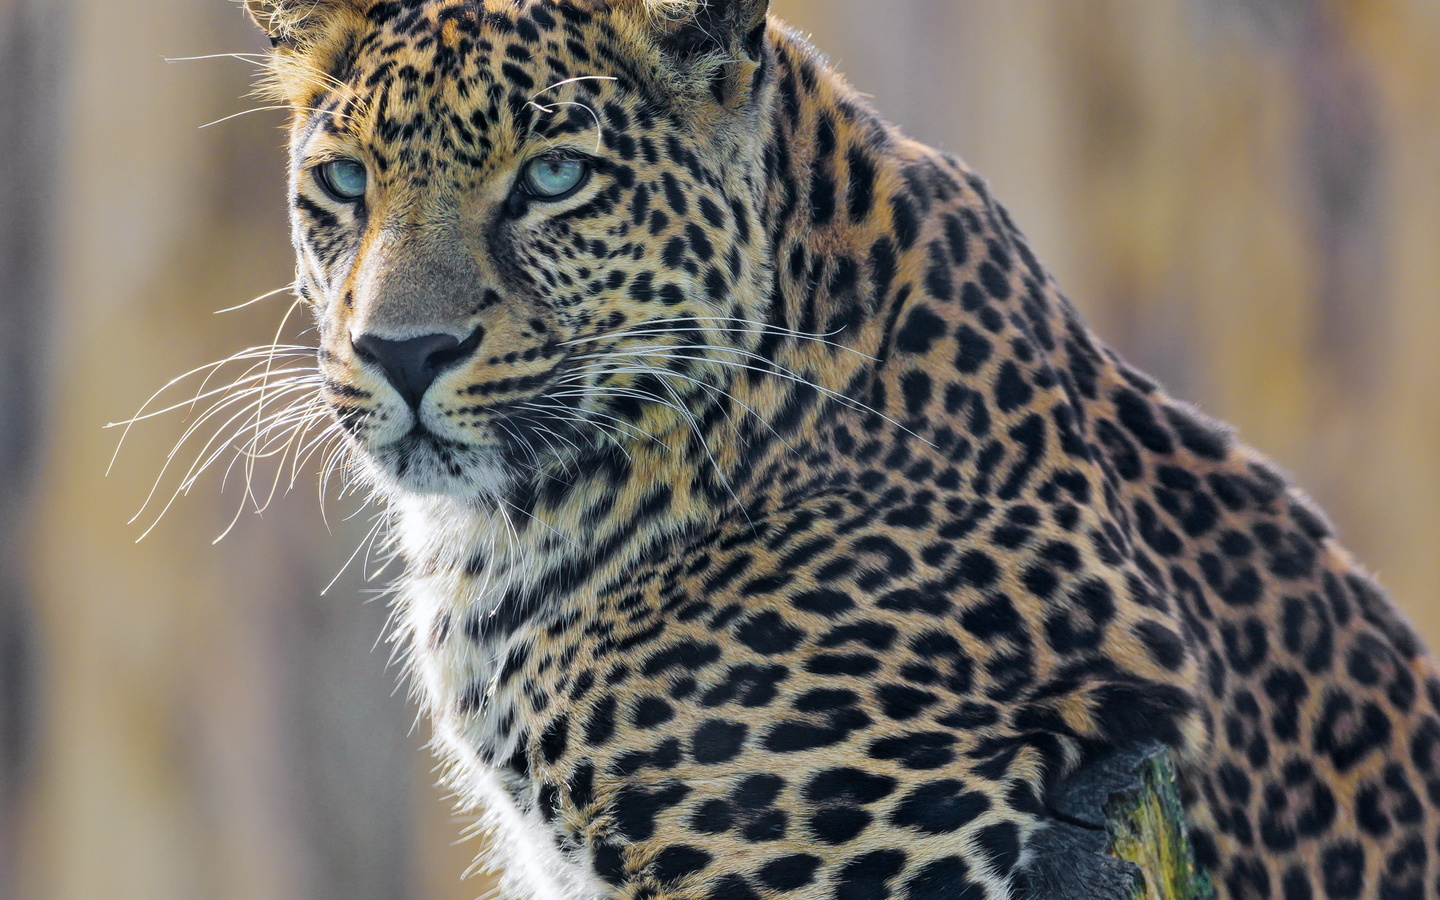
point(502, 250)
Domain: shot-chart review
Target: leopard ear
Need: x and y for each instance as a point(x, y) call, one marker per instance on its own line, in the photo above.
point(719, 42)
point(701, 27)
point(289, 22)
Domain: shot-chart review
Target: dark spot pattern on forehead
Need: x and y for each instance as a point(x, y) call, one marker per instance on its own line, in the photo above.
point(436, 85)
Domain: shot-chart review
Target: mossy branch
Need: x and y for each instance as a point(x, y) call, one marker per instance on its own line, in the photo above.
point(1146, 824)
point(1118, 833)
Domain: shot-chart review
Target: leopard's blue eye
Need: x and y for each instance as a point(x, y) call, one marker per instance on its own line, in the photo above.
point(343, 179)
point(554, 177)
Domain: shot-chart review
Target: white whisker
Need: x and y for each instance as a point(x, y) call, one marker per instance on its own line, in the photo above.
point(566, 81)
point(244, 57)
point(265, 296)
point(774, 369)
point(599, 129)
point(658, 327)
point(365, 543)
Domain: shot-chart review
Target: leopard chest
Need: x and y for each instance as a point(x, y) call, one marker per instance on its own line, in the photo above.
point(483, 702)
point(464, 610)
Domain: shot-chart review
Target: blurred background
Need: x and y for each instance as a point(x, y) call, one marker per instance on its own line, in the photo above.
point(1242, 195)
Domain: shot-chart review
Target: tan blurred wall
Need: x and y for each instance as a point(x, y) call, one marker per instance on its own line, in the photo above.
point(1246, 204)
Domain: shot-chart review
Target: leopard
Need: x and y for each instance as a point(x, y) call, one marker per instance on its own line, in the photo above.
point(772, 524)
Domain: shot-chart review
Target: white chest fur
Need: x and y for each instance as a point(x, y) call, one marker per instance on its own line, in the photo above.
point(456, 671)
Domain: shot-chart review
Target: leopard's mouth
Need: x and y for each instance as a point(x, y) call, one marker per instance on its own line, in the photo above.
point(491, 437)
point(483, 450)
point(422, 462)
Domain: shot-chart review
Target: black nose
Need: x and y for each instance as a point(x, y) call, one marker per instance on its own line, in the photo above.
point(413, 364)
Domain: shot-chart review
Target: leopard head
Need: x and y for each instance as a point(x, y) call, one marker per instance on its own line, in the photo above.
point(528, 231)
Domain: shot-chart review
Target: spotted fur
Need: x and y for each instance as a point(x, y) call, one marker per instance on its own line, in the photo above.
point(773, 526)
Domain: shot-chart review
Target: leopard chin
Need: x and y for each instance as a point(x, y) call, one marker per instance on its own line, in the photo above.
point(420, 463)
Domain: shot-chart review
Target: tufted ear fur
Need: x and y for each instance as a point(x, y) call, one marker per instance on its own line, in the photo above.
point(718, 42)
point(289, 22)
